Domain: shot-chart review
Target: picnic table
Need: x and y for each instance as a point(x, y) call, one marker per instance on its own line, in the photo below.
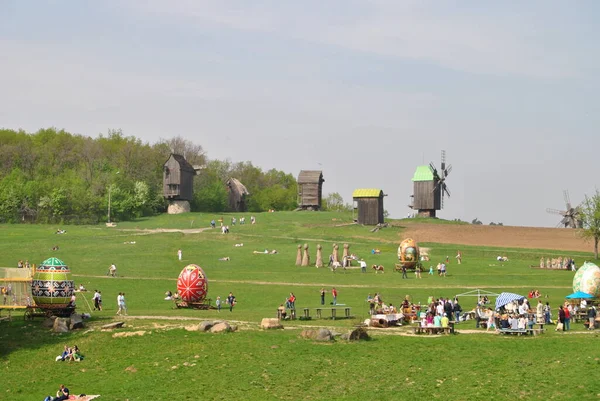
point(386, 319)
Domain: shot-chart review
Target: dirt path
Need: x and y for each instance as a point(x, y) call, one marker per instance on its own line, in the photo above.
point(498, 236)
point(282, 283)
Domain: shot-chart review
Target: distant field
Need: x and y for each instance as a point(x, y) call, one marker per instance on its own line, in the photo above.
point(259, 365)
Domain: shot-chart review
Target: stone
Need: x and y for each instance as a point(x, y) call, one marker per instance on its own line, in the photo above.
point(345, 336)
point(323, 335)
point(60, 325)
point(308, 334)
point(358, 334)
point(178, 206)
point(49, 321)
point(115, 325)
point(234, 328)
point(76, 322)
point(205, 326)
point(270, 323)
point(222, 327)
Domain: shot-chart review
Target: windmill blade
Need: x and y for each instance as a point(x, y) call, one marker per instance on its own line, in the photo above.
point(567, 198)
point(448, 170)
point(432, 168)
point(445, 189)
point(556, 211)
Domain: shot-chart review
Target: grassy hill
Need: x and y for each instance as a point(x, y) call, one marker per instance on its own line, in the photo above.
point(169, 362)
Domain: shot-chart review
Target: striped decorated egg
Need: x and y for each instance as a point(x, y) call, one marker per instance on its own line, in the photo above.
point(192, 284)
point(51, 286)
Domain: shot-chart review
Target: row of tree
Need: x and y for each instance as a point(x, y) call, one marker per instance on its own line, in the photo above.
point(55, 176)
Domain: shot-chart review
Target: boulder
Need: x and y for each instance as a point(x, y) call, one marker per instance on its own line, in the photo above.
point(345, 336)
point(308, 334)
point(205, 326)
point(270, 323)
point(324, 335)
point(222, 327)
point(60, 325)
point(49, 321)
point(76, 322)
point(359, 333)
point(115, 325)
point(234, 328)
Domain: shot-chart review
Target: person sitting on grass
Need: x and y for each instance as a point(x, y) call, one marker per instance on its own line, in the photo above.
point(168, 295)
point(61, 394)
point(282, 312)
point(75, 354)
point(225, 259)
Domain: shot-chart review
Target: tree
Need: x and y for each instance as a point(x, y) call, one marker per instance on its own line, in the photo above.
point(335, 203)
point(590, 217)
point(476, 221)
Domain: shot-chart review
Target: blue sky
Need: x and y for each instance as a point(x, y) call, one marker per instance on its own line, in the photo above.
point(365, 90)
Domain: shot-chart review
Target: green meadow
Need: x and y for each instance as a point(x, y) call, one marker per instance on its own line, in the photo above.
point(169, 362)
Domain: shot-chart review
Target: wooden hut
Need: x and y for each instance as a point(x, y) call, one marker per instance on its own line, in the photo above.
point(369, 206)
point(427, 196)
point(310, 189)
point(178, 178)
point(237, 195)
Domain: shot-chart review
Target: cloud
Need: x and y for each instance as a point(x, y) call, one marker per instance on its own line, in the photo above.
point(481, 41)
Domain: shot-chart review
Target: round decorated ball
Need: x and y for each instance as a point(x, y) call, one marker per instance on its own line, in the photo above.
point(192, 284)
point(408, 253)
point(587, 279)
point(51, 286)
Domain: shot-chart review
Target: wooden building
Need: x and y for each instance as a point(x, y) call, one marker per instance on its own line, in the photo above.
point(369, 206)
point(237, 195)
point(178, 178)
point(310, 189)
point(427, 195)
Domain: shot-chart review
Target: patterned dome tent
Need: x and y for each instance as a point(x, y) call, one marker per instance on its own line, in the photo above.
point(51, 286)
point(192, 284)
point(408, 253)
point(587, 279)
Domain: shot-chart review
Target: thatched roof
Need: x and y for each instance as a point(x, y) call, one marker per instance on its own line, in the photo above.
point(310, 177)
point(235, 185)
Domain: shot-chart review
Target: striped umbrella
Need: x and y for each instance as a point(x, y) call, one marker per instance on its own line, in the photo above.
point(507, 297)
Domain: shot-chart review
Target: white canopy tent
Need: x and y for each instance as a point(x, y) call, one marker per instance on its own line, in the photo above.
point(478, 293)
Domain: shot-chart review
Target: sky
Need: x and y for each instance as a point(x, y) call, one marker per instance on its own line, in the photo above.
point(363, 90)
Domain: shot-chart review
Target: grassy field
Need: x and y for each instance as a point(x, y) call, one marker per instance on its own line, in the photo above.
point(168, 362)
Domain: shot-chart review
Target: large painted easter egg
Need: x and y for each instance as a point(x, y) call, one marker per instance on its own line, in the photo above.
point(587, 279)
point(408, 253)
point(51, 286)
point(192, 284)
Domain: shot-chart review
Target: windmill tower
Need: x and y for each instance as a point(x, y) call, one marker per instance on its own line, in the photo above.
point(430, 188)
point(571, 216)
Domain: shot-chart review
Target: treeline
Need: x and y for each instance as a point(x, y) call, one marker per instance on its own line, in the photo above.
point(55, 176)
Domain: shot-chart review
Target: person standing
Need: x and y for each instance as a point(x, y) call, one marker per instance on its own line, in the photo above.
point(322, 296)
point(95, 299)
point(561, 317)
point(418, 271)
point(459, 257)
point(334, 294)
point(119, 310)
point(292, 301)
point(218, 302)
point(567, 310)
point(457, 310)
point(112, 270)
point(179, 254)
point(231, 301)
point(363, 265)
point(591, 314)
point(404, 275)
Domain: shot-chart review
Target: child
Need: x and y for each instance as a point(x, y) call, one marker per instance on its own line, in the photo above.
point(431, 270)
point(218, 302)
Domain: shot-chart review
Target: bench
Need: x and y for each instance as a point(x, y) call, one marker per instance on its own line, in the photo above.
point(514, 331)
point(347, 313)
point(535, 332)
point(291, 315)
point(432, 330)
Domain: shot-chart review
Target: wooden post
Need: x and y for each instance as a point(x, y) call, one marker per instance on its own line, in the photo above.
point(346, 254)
point(336, 256)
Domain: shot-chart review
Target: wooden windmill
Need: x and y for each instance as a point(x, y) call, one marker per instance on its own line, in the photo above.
point(571, 216)
point(430, 188)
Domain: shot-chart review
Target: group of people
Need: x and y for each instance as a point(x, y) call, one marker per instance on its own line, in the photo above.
point(121, 304)
point(242, 220)
point(70, 354)
point(97, 298)
point(334, 295)
point(231, 301)
point(21, 264)
point(534, 294)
